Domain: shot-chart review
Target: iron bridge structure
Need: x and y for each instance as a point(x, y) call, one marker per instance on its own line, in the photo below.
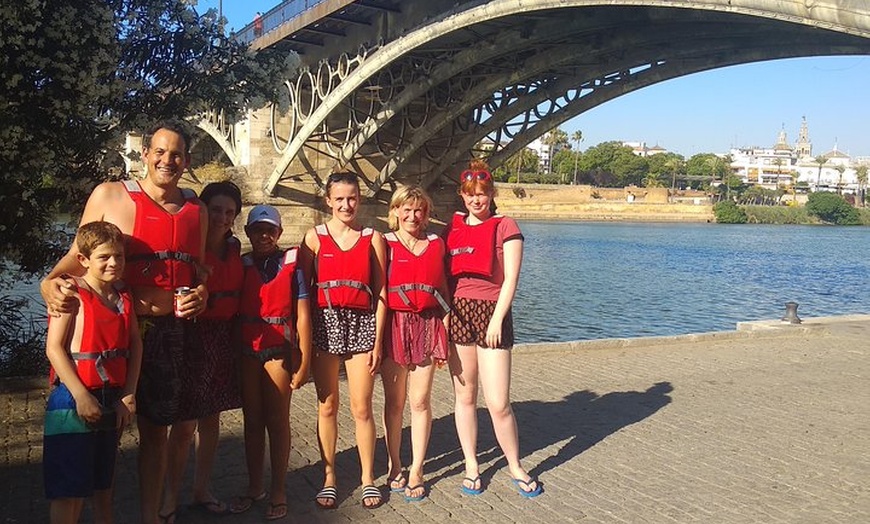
point(408, 91)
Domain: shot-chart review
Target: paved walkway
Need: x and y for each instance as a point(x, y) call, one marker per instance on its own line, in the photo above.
point(766, 425)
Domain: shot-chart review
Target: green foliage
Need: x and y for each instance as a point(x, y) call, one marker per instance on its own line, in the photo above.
point(611, 164)
point(75, 75)
point(832, 208)
point(22, 338)
point(779, 215)
point(727, 212)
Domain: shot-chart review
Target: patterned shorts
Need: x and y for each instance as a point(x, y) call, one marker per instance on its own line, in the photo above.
point(171, 362)
point(469, 321)
point(343, 331)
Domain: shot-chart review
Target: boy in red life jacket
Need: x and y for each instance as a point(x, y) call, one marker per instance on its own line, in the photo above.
point(95, 354)
point(276, 355)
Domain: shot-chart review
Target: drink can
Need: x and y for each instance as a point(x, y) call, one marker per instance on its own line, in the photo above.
point(179, 293)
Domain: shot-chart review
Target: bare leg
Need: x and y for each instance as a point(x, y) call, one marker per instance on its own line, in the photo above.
point(420, 391)
point(326, 381)
point(495, 377)
point(207, 435)
point(178, 450)
point(102, 502)
point(152, 467)
point(463, 367)
point(255, 425)
point(65, 511)
point(361, 385)
point(395, 379)
point(276, 406)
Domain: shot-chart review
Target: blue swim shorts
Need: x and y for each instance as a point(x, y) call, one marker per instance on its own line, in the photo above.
point(77, 459)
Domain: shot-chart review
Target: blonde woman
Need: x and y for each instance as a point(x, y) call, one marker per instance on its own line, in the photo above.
point(417, 337)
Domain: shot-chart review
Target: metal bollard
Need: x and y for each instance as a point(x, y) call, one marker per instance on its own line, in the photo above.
point(791, 313)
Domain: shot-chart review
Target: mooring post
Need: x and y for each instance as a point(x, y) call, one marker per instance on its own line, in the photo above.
point(791, 313)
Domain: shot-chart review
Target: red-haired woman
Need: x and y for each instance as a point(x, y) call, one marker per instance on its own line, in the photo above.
point(485, 253)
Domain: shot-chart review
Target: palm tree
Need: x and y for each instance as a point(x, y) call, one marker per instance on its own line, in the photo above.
point(861, 174)
point(840, 170)
point(577, 137)
point(821, 160)
point(556, 137)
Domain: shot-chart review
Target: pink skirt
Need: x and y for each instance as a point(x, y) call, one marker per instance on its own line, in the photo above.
point(415, 338)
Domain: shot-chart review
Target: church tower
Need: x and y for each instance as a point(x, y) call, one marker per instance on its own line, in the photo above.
point(782, 141)
point(804, 147)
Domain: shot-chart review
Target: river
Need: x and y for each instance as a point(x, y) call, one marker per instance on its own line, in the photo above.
point(611, 280)
point(583, 280)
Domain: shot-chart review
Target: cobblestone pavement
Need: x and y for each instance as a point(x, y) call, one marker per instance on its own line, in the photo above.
point(770, 426)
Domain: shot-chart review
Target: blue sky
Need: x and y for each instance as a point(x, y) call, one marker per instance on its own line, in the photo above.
point(736, 106)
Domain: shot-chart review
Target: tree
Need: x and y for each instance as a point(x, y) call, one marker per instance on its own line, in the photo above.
point(708, 165)
point(555, 138)
point(612, 164)
point(76, 75)
point(727, 212)
point(523, 161)
point(577, 137)
point(666, 166)
point(832, 208)
point(861, 175)
point(821, 160)
point(840, 171)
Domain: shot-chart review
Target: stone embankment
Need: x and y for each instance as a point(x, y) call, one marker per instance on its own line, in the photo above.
point(632, 204)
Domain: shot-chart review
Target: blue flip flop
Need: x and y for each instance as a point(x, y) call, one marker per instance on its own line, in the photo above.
point(472, 491)
point(418, 498)
point(524, 487)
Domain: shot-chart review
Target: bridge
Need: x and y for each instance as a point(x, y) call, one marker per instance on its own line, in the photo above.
point(407, 91)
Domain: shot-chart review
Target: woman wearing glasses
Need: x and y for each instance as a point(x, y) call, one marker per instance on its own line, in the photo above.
point(485, 253)
point(346, 262)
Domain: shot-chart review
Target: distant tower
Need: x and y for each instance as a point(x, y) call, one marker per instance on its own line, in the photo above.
point(782, 141)
point(804, 147)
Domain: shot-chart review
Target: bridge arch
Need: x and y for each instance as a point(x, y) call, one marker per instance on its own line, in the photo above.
point(836, 27)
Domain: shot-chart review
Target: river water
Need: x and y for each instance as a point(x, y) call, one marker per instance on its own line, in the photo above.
point(583, 280)
point(610, 280)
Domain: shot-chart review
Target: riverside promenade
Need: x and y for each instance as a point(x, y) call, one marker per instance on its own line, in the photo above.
point(766, 424)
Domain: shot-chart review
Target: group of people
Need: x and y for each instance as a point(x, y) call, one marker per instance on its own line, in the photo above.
point(155, 312)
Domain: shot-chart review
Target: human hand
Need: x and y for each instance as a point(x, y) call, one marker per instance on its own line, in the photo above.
point(125, 408)
point(193, 303)
point(300, 376)
point(59, 295)
point(88, 408)
point(493, 333)
point(374, 360)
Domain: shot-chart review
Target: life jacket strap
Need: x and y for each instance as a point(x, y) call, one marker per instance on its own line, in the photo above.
point(100, 358)
point(163, 255)
point(461, 251)
point(330, 284)
point(426, 288)
point(266, 320)
point(212, 297)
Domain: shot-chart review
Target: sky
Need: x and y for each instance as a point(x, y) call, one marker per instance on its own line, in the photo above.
point(714, 111)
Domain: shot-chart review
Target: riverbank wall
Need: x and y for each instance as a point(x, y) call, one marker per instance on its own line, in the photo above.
point(631, 204)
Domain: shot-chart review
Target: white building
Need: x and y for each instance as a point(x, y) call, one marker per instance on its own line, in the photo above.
point(783, 165)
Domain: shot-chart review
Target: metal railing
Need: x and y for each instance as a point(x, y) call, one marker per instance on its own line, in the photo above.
point(275, 17)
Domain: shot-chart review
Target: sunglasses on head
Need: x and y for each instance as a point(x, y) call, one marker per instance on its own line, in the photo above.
point(468, 175)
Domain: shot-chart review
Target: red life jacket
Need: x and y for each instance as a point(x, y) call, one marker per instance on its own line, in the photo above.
point(344, 277)
point(102, 357)
point(163, 247)
point(414, 281)
point(267, 309)
point(225, 282)
point(472, 248)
